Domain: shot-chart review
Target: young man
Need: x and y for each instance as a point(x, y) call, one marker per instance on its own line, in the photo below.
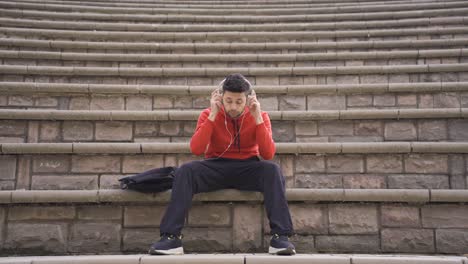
point(232, 133)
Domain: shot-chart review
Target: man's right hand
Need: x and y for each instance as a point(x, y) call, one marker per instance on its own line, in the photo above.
point(215, 103)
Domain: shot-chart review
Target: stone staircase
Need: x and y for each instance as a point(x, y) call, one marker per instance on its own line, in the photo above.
point(368, 101)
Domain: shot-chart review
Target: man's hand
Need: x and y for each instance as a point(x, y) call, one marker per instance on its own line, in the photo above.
point(215, 102)
point(254, 106)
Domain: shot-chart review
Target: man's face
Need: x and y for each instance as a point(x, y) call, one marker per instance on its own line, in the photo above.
point(234, 103)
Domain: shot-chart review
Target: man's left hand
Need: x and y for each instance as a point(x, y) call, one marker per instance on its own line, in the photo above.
point(254, 106)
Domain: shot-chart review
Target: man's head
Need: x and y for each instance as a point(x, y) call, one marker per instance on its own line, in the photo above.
point(235, 89)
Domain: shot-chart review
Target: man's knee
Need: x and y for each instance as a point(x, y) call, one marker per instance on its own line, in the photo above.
point(272, 171)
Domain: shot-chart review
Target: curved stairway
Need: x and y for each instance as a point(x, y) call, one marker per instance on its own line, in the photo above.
point(368, 101)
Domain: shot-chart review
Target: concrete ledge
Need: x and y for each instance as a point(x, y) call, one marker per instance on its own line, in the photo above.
point(241, 11)
point(93, 89)
point(448, 147)
point(211, 72)
point(146, 27)
point(227, 36)
point(65, 56)
point(239, 259)
point(281, 148)
point(230, 195)
point(449, 196)
point(192, 115)
point(248, 19)
point(64, 44)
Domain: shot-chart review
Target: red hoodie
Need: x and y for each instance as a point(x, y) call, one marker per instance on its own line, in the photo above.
point(212, 138)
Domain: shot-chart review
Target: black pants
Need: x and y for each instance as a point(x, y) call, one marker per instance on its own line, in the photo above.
point(215, 174)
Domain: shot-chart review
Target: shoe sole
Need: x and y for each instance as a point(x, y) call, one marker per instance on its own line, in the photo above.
point(282, 251)
point(174, 251)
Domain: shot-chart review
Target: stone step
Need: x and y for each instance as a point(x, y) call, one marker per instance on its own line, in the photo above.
point(233, 47)
point(197, 90)
point(174, 18)
point(239, 259)
point(369, 34)
point(263, 2)
point(224, 5)
point(20, 126)
point(75, 96)
point(90, 166)
point(210, 27)
point(238, 11)
point(220, 72)
point(299, 60)
point(346, 221)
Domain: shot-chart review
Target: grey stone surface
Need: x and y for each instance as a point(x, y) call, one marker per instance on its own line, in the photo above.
point(77, 130)
point(353, 219)
point(309, 219)
point(36, 238)
point(343, 244)
point(247, 228)
point(94, 237)
point(64, 182)
point(143, 216)
point(310, 163)
point(314, 181)
point(400, 216)
point(210, 215)
point(451, 240)
point(18, 213)
point(139, 240)
point(408, 240)
point(8, 167)
point(208, 240)
point(410, 181)
point(445, 216)
point(458, 130)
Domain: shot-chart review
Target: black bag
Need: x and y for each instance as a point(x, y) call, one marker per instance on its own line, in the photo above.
point(151, 181)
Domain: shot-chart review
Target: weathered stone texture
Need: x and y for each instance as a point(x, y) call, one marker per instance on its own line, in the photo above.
point(94, 237)
point(209, 215)
point(100, 212)
point(408, 240)
point(247, 228)
point(207, 240)
point(51, 163)
point(400, 216)
point(8, 167)
point(36, 238)
point(445, 216)
point(342, 244)
point(384, 163)
point(95, 164)
point(40, 213)
point(451, 240)
point(353, 219)
point(345, 164)
point(426, 163)
point(143, 216)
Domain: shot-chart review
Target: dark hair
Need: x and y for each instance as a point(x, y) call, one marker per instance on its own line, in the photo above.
point(236, 83)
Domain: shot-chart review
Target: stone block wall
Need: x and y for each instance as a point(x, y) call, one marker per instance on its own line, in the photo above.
point(349, 171)
point(279, 102)
point(235, 227)
point(368, 130)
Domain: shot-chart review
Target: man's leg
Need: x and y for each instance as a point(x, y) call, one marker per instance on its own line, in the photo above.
point(191, 178)
point(266, 177)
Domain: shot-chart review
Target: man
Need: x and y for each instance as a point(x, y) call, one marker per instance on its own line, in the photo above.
point(232, 133)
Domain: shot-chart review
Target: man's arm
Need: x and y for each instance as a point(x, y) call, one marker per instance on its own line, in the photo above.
point(202, 136)
point(266, 145)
